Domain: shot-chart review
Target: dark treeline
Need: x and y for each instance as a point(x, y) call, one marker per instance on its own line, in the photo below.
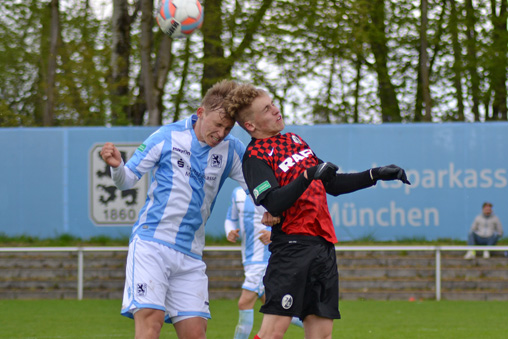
point(324, 61)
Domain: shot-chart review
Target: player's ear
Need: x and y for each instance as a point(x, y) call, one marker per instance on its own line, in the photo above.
point(200, 112)
point(249, 126)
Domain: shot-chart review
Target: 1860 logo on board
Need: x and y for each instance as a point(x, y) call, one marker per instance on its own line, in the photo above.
point(110, 206)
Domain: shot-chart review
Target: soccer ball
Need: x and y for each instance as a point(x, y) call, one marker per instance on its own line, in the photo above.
point(179, 18)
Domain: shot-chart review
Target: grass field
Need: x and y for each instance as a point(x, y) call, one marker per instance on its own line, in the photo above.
point(360, 319)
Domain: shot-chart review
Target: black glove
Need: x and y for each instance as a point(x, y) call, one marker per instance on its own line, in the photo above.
point(325, 172)
point(390, 172)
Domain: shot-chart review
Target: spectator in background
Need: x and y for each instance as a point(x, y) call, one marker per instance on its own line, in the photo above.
point(485, 230)
point(244, 221)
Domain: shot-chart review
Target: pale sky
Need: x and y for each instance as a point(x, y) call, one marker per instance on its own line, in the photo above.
point(102, 8)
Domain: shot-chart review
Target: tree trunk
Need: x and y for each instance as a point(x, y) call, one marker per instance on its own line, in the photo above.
point(163, 65)
point(49, 107)
point(499, 59)
point(471, 59)
point(214, 68)
point(146, 43)
point(356, 94)
point(424, 62)
point(120, 63)
point(457, 61)
point(390, 110)
point(185, 72)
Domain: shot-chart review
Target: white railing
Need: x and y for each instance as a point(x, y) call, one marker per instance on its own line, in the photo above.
point(436, 249)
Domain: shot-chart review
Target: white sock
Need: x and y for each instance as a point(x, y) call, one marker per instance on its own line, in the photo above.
point(296, 321)
point(245, 323)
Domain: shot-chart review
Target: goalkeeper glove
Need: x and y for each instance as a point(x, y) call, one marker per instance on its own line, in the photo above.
point(325, 172)
point(390, 172)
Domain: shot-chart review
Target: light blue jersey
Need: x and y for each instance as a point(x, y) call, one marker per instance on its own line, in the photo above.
point(244, 215)
point(186, 176)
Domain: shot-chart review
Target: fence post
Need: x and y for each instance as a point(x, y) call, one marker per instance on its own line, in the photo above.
point(438, 273)
point(80, 273)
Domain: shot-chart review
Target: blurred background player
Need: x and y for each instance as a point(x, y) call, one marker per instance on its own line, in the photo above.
point(244, 221)
point(485, 230)
point(286, 177)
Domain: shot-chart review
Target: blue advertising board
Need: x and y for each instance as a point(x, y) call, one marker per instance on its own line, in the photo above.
point(55, 183)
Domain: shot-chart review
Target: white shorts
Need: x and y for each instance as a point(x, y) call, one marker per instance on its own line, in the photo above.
point(254, 278)
point(161, 278)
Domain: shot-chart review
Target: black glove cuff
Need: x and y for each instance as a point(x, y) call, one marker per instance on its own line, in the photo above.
point(374, 174)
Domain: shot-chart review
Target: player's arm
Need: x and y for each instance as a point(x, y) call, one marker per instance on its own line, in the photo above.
point(231, 223)
point(265, 236)
point(343, 183)
point(265, 189)
point(122, 176)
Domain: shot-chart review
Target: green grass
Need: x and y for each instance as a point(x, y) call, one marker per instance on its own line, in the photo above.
point(70, 240)
point(360, 319)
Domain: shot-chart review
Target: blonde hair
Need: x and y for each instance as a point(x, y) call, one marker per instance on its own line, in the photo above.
point(238, 102)
point(215, 96)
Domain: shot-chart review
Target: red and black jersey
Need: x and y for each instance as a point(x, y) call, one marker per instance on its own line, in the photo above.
point(275, 162)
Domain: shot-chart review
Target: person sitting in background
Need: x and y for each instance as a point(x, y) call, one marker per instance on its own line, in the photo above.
point(485, 230)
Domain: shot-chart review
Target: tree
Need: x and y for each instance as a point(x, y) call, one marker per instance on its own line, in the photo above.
point(457, 67)
point(471, 59)
point(324, 61)
point(50, 69)
point(390, 110)
point(121, 112)
point(499, 58)
point(424, 59)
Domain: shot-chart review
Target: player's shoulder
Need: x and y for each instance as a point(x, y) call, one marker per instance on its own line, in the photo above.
point(259, 147)
point(295, 138)
point(164, 131)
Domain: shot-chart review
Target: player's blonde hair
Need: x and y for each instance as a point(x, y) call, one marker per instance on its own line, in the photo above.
point(238, 103)
point(214, 97)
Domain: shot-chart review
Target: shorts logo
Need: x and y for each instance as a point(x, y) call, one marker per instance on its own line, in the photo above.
point(287, 301)
point(261, 188)
point(141, 289)
point(216, 160)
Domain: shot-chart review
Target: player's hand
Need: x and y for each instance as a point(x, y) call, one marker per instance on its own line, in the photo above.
point(233, 235)
point(269, 220)
point(111, 155)
point(265, 237)
point(325, 172)
point(390, 172)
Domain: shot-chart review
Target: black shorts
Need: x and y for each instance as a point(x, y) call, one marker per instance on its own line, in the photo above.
point(302, 278)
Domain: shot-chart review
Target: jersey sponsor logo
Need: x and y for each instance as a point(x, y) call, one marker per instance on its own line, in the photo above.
point(287, 301)
point(141, 289)
point(216, 160)
point(179, 150)
point(141, 147)
point(290, 161)
point(296, 139)
point(261, 188)
point(199, 176)
point(180, 163)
